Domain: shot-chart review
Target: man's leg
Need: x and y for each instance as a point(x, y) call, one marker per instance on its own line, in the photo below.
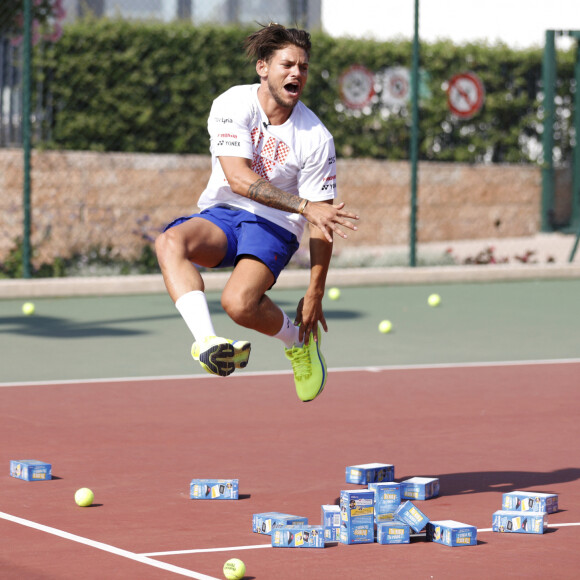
point(244, 299)
point(201, 241)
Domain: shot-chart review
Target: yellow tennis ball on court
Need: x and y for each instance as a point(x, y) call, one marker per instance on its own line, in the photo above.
point(334, 293)
point(434, 300)
point(28, 308)
point(84, 497)
point(385, 326)
point(234, 569)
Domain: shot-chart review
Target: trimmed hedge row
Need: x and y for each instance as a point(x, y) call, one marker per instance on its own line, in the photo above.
point(148, 87)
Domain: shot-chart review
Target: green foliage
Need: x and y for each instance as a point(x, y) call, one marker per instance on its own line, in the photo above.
point(148, 87)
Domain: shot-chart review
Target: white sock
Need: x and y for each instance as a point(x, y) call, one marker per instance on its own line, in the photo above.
point(288, 334)
point(195, 312)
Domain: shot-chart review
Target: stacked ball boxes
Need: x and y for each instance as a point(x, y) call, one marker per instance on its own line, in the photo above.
point(30, 470)
point(524, 512)
point(213, 489)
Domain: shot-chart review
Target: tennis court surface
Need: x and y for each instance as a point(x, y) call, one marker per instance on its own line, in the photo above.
point(481, 392)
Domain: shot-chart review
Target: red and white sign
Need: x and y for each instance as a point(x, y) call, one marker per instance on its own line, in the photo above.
point(357, 87)
point(465, 95)
point(396, 86)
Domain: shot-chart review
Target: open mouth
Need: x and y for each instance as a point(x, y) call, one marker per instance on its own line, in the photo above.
point(292, 88)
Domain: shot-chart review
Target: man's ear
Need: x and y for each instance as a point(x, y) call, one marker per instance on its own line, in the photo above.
point(262, 68)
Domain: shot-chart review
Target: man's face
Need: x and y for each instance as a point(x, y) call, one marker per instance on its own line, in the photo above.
point(287, 72)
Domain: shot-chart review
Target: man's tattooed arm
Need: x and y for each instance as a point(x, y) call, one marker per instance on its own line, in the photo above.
point(265, 193)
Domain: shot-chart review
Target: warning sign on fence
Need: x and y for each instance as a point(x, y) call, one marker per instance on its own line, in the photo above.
point(357, 87)
point(465, 95)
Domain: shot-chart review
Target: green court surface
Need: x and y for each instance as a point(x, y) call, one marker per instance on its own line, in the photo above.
point(138, 336)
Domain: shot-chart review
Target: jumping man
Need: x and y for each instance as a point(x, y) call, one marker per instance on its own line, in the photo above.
point(273, 170)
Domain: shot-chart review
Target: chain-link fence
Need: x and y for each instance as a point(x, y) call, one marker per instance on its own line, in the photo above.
point(121, 91)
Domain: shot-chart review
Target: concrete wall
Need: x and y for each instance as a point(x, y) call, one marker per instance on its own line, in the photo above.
point(84, 199)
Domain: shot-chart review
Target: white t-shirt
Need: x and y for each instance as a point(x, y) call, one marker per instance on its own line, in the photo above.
point(298, 156)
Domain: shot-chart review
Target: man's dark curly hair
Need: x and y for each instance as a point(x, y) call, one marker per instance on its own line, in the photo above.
point(262, 44)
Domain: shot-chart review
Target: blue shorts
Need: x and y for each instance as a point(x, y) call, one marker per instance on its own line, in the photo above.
point(249, 235)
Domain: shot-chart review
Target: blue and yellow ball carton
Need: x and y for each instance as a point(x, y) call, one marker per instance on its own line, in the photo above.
point(394, 532)
point(267, 522)
point(409, 513)
point(370, 473)
point(420, 488)
point(530, 501)
point(300, 536)
point(451, 533)
point(214, 489)
point(30, 469)
point(520, 522)
point(357, 516)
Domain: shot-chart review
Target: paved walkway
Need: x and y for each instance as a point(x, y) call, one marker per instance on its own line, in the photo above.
point(549, 260)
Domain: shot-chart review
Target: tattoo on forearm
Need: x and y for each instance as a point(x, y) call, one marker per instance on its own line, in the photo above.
point(265, 193)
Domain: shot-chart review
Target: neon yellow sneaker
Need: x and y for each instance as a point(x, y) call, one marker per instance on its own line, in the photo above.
point(221, 356)
point(309, 368)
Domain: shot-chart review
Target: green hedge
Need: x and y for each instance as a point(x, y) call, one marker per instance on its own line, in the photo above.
point(148, 87)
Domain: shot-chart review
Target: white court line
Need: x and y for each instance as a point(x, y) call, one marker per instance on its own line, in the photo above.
point(370, 368)
point(206, 550)
point(107, 548)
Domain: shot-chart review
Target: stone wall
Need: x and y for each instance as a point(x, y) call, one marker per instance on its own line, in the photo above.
point(85, 199)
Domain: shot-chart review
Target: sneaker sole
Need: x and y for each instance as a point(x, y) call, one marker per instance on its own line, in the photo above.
point(218, 360)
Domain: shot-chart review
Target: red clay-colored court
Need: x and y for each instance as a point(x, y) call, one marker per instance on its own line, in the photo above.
point(482, 429)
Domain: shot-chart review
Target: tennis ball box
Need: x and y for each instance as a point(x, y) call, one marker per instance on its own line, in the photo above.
point(451, 533)
point(520, 522)
point(331, 522)
point(266, 522)
point(30, 470)
point(370, 473)
point(357, 515)
point(301, 536)
point(213, 489)
point(420, 488)
point(387, 499)
point(393, 533)
point(530, 501)
point(412, 515)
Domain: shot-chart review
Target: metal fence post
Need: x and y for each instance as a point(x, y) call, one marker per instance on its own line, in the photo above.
point(548, 80)
point(414, 140)
point(26, 130)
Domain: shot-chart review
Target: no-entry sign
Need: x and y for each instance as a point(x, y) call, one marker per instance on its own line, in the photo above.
point(465, 95)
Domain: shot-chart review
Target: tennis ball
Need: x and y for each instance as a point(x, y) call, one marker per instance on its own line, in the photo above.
point(28, 308)
point(385, 326)
point(434, 300)
point(84, 497)
point(234, 569)
point(334, 293)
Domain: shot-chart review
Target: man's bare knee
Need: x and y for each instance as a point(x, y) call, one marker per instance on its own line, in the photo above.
point(241, 310)
point(167, 245)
